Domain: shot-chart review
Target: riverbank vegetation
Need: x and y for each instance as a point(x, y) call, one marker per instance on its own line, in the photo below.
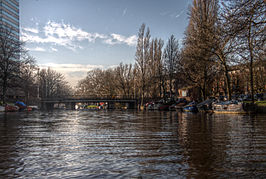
point(222, 53)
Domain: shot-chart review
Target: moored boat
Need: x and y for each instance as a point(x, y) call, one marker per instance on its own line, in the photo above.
point(11, 108)
point(191, 107)
point(150, 106)
point(205, 106)
point(233, 107)
point(181, 102)
point(33, 108)
point(28, 108)
point(2, 109)
point(165, 106)
point(22, 106)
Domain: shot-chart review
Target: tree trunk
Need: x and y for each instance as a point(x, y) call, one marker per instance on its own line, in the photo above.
point(205, 85)
point(227, 76)
point(201, 93)
point(251, 76)
point(4, 89)
point(251, 63)
point(170, 86)
point(142, 94)
point(228, 82)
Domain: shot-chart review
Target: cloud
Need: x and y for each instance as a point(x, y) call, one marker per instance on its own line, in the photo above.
point(67, 31)
point(69, 36)
point(32, 30)
point(120, 39)
point(54, 49)
point(36, 49)
point(72, 72)
point(61, 34)
point(70, 67)
point(30, 38)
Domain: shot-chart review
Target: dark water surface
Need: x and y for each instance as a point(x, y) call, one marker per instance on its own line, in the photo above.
point(129, 144)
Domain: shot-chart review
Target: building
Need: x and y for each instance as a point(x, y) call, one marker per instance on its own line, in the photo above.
point(9, 16)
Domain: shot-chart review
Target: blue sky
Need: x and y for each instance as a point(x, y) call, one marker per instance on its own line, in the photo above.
point(75, 36)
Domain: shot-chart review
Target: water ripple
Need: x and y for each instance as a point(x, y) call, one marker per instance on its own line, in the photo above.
point(129, 144)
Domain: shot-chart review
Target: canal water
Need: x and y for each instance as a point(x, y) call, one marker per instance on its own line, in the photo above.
point(130, 144)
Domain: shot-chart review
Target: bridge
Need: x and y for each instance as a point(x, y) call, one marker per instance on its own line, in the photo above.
point(71, 101)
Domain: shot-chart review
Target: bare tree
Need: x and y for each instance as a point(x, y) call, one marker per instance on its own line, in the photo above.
point(259, 73)
point(142, 59)
point(198, 71)
point(197, 60)
point(249, 17)
point(219, 37)
point(99, 83)
point(160, 68)
point(52, 84)
point(125, 78)
point(171, 60)
point(155, 65)
point(94, 82)
point(10, 52)
point(109, 84)
point(28, 76)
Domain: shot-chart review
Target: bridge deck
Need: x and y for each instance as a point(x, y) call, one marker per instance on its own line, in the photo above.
point(79, 99)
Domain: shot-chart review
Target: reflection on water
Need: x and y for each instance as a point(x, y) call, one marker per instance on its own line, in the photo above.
point(129, 144)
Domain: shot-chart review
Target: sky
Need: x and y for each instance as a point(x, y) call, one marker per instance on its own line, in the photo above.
point(75, 36)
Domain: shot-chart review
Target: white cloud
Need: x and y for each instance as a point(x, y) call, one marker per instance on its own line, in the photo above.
point(37, 49)
point(69, 36)
point(32, 30)
point(58, 34)
point(70, 32)
point(120, 39)
point(70, 67)
point(54, 49)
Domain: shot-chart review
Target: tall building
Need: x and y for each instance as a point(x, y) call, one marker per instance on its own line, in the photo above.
point(9, 16)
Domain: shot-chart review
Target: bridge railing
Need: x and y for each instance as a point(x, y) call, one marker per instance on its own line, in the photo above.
point(92, 97)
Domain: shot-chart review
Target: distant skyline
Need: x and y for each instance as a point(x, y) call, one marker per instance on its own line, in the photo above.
point(75, 36)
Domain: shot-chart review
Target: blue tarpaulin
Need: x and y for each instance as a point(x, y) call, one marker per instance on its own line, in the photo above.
point(19, 103)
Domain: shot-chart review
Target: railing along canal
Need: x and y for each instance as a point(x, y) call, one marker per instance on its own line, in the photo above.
point(89, 97)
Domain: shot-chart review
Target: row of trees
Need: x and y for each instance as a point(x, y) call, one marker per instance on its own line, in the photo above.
point(21, 77)
point(152, 76)
point(223, 52)
point(220, 38)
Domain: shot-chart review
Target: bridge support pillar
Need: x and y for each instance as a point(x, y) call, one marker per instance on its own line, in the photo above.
point(111, 105)
point(73, 106)
point(70, 106)
point(42, 107)
point(132, 105)
point(47, 106)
